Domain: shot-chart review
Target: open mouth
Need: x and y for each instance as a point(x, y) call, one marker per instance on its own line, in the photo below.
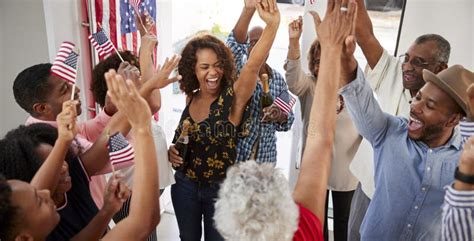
point(212, 83)
point(414, 124)
point(409, 77)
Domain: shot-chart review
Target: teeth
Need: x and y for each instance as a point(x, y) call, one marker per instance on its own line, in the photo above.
point(415, 120)
point(212, 80)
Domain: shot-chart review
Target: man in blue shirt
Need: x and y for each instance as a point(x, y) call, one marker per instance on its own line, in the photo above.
point(260, 144)
point(414, 158)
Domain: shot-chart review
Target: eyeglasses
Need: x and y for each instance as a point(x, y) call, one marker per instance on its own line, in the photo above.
point(415, 61)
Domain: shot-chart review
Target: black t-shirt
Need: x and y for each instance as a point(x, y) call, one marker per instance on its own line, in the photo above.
point(80, 208)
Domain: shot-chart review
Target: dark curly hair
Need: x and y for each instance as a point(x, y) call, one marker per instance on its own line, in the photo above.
point(7, 211)
point(98, 85)
point(313, 49)
point(31, 86)
point(18, 156)
point(189, 83)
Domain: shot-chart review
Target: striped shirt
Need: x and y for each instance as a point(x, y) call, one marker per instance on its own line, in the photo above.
point(458, 215)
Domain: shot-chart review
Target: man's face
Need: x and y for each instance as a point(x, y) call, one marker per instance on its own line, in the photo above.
point(419, 57)
point(60, 92)
point(431, 114)
point(254, 35)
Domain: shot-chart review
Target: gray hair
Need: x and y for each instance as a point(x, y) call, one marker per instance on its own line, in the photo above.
point(444, 48)
point(255, 204)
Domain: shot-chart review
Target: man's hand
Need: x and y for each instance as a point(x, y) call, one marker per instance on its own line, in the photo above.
point(338, 23)
point(268, 12)
point(116, 193)
point(470, 103)
point(125, 96)
point(274, 114)
point(66, 121)
point(295, 29)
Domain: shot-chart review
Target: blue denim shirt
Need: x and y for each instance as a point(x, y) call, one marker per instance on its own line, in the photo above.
point(409, 176)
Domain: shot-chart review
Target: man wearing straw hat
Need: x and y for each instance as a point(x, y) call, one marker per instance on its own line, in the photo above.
point(413, 158)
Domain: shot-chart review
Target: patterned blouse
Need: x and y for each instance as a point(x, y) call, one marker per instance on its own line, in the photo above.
point(212, 142)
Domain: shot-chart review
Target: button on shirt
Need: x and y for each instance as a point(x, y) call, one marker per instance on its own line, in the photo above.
point(263, 133)
point(409, 176)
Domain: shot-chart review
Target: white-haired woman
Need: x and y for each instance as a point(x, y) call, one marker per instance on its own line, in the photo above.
point(254, 201)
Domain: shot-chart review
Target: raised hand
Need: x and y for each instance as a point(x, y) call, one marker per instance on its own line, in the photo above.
point(66, 121)
point(470, 103)
point(268, 11)
point(161, 78)
point(250, 3)
point(126, 98)
point(116, 193)
point(295, 29)
point(129, 71)
point(273, 114)
point(144, 23)
point(149, 42)
point(338, 23)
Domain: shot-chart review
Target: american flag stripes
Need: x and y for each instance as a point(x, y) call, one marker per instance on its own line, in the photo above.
point(101, 43)
point(117, 18)
point(285, 101)
point(65, 64)
point(120, 149)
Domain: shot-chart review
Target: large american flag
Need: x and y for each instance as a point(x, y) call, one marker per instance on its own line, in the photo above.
point(65, 64)
point(120, 149)
point(285, 101)
point(101, 43)
point(117, 17)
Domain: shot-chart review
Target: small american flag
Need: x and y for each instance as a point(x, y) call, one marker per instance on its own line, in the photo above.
point(135, 4)
point(101, 43)
point(120, 149)
point(65, 64)
point(285, 101)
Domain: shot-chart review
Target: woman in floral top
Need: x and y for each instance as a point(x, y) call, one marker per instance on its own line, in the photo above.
point(215, 108)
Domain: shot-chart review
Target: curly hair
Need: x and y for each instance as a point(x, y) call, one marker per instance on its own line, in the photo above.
point(189, 83)
point(313, 49)
point(7, 211)
point(255, 203)
point(31, 86)
point(98, 85)
point(18, 156)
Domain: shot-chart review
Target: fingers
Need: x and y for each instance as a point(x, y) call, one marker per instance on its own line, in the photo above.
point(123, 191)
point(352, 15)
point(330, 6)
point(174, 157)
point(316, 18)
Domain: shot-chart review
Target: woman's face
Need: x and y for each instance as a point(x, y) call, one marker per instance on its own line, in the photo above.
point(64, 184)
point(36, 210)
point(209, 71)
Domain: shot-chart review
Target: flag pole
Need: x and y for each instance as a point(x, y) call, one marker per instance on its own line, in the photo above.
point(77, 65)
point(140, 18)
point(113, 46)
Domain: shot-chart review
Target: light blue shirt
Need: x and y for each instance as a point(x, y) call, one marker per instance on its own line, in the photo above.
point(409, 176)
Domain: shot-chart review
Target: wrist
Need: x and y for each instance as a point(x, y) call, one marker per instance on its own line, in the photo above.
point(106, 212)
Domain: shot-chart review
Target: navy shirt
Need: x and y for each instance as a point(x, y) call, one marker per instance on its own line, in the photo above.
point(79, 209)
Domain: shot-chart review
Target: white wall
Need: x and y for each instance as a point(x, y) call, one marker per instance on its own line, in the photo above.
point(451, 19)
point(22, 44)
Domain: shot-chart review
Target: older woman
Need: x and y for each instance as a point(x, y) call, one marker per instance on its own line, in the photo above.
point(255, 201)
point(215, 107)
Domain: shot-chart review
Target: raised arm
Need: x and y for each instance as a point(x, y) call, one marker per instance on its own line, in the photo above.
point(47, 177)
point(144, 212)
point(333, 33)
point(298, 82)
point(96, 159)
point(247, 81)
point(242, 26)
point(366, 39)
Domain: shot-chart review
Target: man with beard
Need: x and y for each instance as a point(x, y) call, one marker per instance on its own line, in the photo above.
point(414, 158)
point(395, 81)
